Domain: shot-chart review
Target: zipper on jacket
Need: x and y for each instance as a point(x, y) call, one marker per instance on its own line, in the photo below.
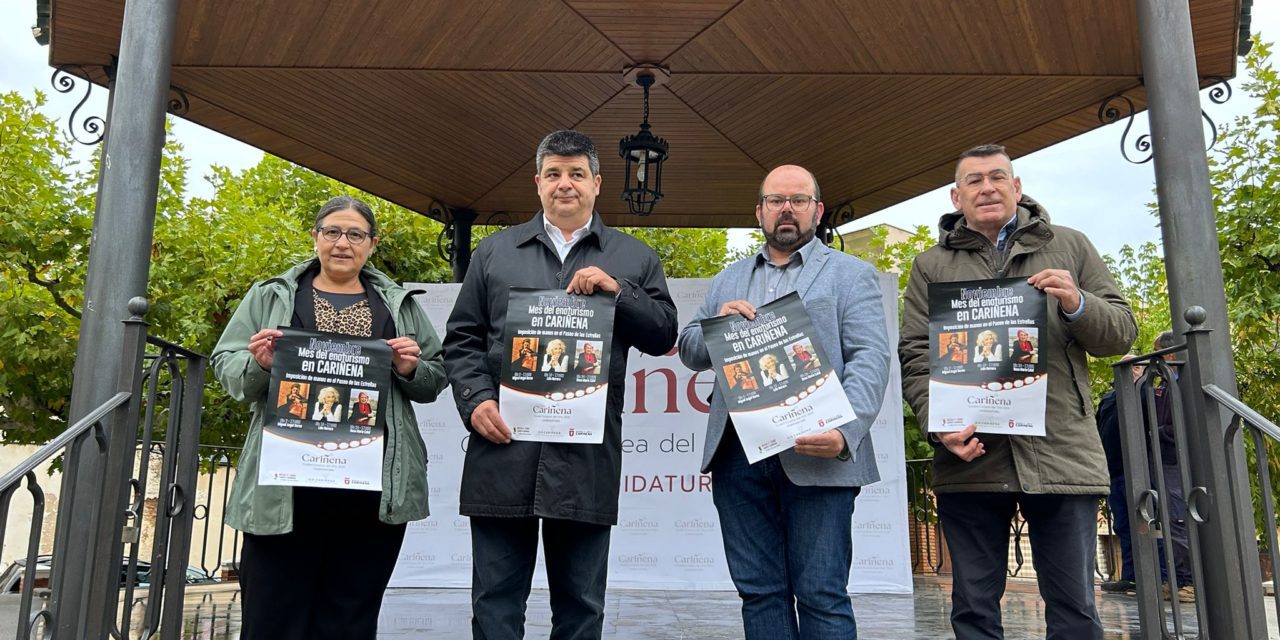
point(1075, 384)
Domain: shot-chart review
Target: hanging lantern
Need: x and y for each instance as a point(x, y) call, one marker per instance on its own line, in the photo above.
point(644, 154)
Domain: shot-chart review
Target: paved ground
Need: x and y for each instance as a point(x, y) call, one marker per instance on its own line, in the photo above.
point(213, 614)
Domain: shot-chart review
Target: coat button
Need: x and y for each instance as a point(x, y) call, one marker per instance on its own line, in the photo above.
point(466, 392)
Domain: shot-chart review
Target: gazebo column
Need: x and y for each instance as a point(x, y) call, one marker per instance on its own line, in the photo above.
point(86, 562)
point(1230, 584)
point(460, 258)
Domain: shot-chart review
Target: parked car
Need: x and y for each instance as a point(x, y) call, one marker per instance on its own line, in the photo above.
point(195, 575)
point(11, 579)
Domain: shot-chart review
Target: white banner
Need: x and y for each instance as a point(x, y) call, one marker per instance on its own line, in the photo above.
point(668, 534)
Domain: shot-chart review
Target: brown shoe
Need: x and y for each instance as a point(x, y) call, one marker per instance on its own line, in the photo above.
point(1187, 594)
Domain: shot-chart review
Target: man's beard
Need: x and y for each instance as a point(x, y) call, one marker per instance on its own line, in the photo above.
point(789, 240)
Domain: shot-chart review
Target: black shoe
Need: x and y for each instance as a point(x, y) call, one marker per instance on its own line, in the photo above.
point(1119, 586)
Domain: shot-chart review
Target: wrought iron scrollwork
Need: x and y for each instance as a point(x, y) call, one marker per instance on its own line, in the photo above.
point(179, 104)
point(444, 241)
point(92, 127)
point(1220, 93)
point(835, 216)
point(1110, 111)
point(499, 218)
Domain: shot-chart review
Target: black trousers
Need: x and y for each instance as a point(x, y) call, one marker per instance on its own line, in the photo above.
point(325, 579)
point(1064, 541)
point(504, 552)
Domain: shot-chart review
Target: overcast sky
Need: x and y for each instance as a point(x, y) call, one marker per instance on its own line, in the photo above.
point(1083, 182)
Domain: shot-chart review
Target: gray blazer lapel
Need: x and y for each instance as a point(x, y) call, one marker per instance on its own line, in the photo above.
point(809, 272)
point(742, 283)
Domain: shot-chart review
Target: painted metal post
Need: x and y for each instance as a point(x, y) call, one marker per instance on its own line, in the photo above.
point(119, 260)
point(1231, 584)
point(463, 219)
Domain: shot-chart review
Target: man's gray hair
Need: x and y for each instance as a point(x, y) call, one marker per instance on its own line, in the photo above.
point(569, 143)
point(983, 151)
point(1165, 340)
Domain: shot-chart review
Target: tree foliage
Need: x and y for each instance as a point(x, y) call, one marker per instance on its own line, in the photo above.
point(897, 258)
point(1246, 191)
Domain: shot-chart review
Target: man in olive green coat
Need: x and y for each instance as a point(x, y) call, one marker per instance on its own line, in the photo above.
point(1056, 479)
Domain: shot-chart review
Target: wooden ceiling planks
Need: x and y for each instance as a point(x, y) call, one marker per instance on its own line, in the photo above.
point(651, 31)
point(423, 101)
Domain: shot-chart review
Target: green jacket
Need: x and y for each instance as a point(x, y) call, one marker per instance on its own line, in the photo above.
point(268, 510)
point(1069, 458)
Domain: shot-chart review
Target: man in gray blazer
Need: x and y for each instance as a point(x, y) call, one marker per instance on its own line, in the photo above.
point(786, 520)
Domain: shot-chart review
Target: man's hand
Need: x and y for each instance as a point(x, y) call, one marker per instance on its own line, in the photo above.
point(742, 307)
point(1059, 284)
point(964, 444)
point(486, 421)
point(588, 280)
point(821, 445)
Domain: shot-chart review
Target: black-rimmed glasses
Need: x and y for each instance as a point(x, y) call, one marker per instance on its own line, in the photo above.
point(354, 236)
point(799, 202)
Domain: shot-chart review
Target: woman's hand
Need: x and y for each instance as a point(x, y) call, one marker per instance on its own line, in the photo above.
point(262, 346)
point(404, 355)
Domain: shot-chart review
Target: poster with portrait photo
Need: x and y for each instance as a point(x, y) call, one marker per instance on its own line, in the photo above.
point(563, 395)
point(324, 428)
point(363, 409)
point(774, 377)
point(985, 365)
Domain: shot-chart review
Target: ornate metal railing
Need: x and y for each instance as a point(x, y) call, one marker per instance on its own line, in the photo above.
point(219, 554)
point(158, 402)
point(89, 431)
point(1206, 427)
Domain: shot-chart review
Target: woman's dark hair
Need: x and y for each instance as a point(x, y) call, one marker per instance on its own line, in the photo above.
point(342, 203)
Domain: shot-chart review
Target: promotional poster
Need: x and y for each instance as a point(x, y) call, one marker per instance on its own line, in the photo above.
point(555, 370)
point(985, 363)
point(325, 426)
point(774, 376)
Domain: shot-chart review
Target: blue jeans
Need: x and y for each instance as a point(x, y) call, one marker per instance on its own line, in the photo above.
point(788, 547)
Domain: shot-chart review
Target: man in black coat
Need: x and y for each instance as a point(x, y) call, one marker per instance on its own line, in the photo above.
point(510, 489)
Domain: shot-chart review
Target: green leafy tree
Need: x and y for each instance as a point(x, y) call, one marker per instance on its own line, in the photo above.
point(1246, 190)
point(1139, 272)
point(44, 228)
point(686, 253)
point(897, 258)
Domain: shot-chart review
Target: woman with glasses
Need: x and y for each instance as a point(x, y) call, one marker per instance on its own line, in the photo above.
point(316, 561)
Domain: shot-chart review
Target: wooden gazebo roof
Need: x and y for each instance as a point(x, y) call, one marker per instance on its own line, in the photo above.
point(423, 101)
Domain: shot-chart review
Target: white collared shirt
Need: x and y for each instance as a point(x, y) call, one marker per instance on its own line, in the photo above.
point(557, 237)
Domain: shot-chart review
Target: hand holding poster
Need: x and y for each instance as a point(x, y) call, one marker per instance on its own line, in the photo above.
point(555, 374)
point(325, 429)
point(775, 378)
point(985, 366)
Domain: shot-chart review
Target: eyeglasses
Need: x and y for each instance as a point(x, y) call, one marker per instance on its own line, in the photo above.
point(997, 177)
point(799, 202)
point(354, 236)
